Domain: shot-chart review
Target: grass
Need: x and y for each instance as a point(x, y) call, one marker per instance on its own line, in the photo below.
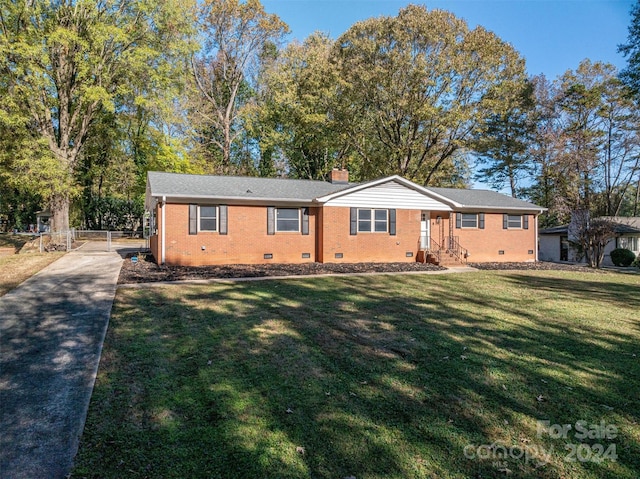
point(370, 377)
point(18, 268)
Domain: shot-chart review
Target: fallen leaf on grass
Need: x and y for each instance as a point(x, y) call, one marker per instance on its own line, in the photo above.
point(300, 450)
point(541, 398)
point(289, 410)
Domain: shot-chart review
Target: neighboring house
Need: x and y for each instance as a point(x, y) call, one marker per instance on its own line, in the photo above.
point(207, 220)
point(555, 244)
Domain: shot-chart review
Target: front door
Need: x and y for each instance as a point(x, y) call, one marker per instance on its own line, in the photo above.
point(425, 234)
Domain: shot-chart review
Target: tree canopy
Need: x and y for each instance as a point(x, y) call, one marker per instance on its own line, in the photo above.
point(631, 50)
point(64, 63)
point(415, 89)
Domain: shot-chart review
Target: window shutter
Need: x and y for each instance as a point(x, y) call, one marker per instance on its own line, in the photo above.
point(305, 221)
point(505, 221)
point(223, 219)
point(392, 222)
point(271, 220)
point(354, 221)
point(481, 221)
point(458, 220)
point(193, 219)
point(525, 222)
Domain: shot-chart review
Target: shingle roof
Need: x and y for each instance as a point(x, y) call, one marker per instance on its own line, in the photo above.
point(482, 199)
point(240, 187)
point(246, 189)
point(622, 225)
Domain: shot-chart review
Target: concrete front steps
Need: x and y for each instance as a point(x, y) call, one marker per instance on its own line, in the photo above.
point(447, 259)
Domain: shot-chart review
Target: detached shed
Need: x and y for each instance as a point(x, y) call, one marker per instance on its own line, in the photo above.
point(42, 221)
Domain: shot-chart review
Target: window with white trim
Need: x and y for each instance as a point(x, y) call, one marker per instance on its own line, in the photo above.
point(514, 221)
point(373, 221)
point(207, 218)
point(628, 242)
point(288, 220)
point(469, 220)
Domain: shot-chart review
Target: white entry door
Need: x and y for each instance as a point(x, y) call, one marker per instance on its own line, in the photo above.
point(425, 233)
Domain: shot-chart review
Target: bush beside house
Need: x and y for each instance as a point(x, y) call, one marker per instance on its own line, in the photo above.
point(622, 257)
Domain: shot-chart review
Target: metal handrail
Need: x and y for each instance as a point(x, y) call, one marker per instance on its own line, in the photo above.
point(431, 248)
point(454, 247)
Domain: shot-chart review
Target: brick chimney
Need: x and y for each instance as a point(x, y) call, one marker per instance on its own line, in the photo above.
point(340, 176)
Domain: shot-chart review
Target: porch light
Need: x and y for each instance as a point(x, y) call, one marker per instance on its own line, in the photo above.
point(438, 218)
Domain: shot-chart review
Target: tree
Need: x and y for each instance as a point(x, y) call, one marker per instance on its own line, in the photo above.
point(631, 75)
point(414, 90)
point(298, 92)
point(591, 236)
point(235, 35)
point(503, 142)
point(587, 144)
point(544, 151)
point(619, 159)
point(65, 62)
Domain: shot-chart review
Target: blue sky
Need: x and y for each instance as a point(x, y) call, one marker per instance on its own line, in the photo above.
point(552, 35)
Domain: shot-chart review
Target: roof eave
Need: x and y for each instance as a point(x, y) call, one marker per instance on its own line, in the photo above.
point(237, 200)
point(498, 209)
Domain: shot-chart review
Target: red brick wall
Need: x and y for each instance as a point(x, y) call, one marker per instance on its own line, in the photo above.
point(485, 245)
point(246, 242)
point(368, 247)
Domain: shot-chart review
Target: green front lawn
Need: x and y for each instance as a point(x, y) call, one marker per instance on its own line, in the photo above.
point(411, 376)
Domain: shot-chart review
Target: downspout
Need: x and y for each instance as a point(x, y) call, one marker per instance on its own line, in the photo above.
point(537, 239)
point(164, 230)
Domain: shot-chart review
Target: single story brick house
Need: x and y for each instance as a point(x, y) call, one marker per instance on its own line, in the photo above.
point(555, 243)
point(213, 220)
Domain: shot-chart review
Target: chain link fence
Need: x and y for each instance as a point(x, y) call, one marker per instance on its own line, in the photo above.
point(101, 240)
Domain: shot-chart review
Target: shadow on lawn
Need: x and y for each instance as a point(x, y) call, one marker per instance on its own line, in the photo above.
point(368, 379)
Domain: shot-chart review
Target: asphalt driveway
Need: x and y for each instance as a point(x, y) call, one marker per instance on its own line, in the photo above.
point(51, 333)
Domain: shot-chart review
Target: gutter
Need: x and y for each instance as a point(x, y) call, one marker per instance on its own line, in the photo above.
point(164, 230)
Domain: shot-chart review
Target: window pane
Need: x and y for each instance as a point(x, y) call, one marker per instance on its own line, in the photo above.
point(469, 220)
point(381, 215)
point(381, 226)
point(287, 219)
point(514, 221)
point(207, 211)
point(364, 225)
point(208, 218)
point(287, 213)
point(380, 221)
point(364, 214)
point(364, 220)
point(207, 224)
point(288, 225)
point(629, 242)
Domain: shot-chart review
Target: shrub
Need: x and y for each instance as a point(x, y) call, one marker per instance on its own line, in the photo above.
point(622, 257)
point(636, 262)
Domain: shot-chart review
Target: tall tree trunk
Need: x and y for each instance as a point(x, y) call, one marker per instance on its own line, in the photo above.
point(59, 206)
point(635, 205)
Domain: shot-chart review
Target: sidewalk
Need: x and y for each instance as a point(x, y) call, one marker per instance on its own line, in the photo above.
point(51, 333)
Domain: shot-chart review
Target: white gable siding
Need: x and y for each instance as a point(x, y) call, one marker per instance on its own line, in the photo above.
point(388, 195)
